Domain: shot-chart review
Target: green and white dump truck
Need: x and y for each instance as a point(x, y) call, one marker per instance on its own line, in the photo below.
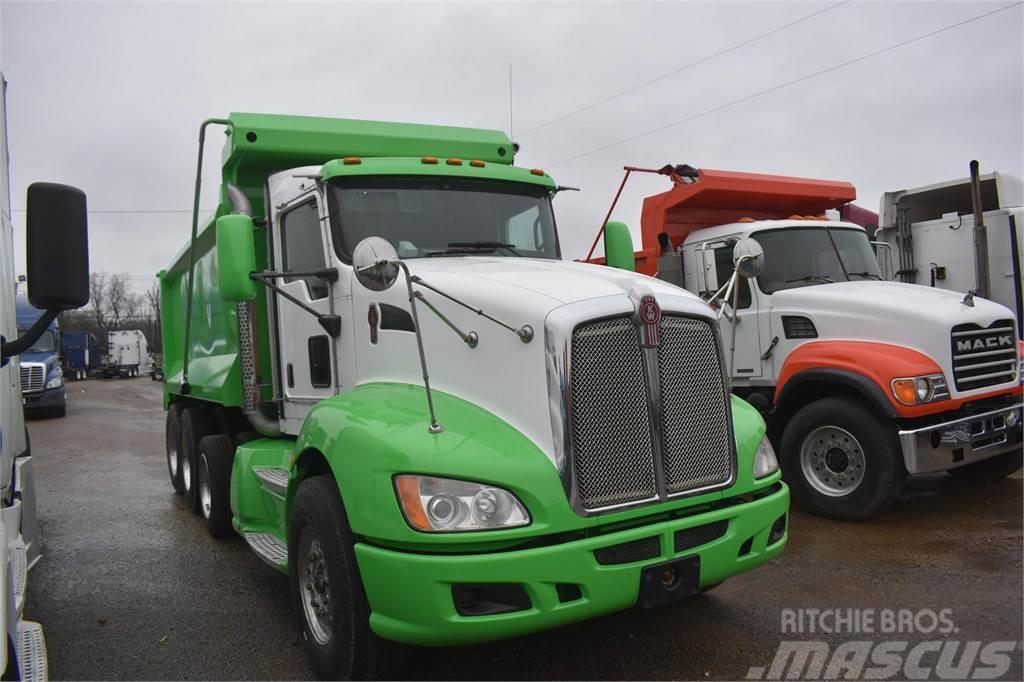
point(573, 450)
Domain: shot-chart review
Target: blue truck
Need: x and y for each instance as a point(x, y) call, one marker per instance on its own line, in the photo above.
point(80, 355)
point(42, 379)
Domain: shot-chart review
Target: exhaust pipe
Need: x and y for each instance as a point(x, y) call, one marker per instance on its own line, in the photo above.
point(263, 424)
point(981, 276)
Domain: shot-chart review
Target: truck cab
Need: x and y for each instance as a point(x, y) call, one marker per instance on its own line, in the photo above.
point(42, 375)
point(862, 381)
point(393, 388)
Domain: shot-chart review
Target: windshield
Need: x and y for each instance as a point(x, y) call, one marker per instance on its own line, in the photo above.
point(804, 256)
point(47, 343)
point(425, 216)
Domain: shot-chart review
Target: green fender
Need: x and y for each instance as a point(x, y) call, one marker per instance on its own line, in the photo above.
point(375, 431)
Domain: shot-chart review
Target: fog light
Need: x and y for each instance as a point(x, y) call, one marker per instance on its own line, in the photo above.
point(778, 530)
point(1012, 419)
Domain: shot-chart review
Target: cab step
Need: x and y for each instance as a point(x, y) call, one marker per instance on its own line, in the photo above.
point(268, 548)
point(273, 480)
point(18, 566)
point(31, 652)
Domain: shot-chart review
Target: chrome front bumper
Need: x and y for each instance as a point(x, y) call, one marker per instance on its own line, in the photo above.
point(952, 444)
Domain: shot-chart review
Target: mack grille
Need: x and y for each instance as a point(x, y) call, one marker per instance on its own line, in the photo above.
point(613, 434)
point(984, 356)
point(32, 376)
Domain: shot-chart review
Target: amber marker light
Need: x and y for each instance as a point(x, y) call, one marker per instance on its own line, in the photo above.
point(409, 495)
point(477, 163)
point(428, 159)
point(351, 161)
point(537, 171)
point(454, 162)
point(905, 391)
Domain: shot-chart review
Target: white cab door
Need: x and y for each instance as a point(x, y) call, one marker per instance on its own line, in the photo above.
point(747, 357)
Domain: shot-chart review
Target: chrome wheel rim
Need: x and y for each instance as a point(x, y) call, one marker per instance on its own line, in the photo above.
point(186, 474)
point(172, 458)
point(204, 486)
point(832, 461)
point(314, 588)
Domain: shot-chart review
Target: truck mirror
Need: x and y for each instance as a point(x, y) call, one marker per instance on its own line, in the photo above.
point(374, 263)
point(618, 246)
point(57, 247)
point(748, 257)
point(236, 258)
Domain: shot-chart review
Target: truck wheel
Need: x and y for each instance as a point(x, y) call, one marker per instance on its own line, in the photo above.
point(840, 460)
point(333, 613)
point(193, 427)
point(991, 469)
point(216, 455)
point(172, 441)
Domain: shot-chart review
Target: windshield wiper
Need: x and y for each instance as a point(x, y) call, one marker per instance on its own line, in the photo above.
point(812, 278)
point(864, 274)
point(485, 246)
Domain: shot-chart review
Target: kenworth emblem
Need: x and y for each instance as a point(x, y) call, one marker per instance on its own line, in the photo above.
point(650, 316)
point(992, 342)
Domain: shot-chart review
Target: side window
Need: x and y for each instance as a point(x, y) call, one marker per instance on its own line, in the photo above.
point(724, 268)
point(302, 246)
point(524, 232)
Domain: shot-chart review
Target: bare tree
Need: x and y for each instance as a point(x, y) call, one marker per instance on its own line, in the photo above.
point(98, 301)
point(153, 300)
point(117, 299)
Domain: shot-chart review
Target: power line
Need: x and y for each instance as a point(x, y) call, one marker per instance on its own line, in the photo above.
point(784, 85)
point(681, 69)
point(153, 210)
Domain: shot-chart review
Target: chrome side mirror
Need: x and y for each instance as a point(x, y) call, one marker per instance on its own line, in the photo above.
point(748, 257)
point(375, 263)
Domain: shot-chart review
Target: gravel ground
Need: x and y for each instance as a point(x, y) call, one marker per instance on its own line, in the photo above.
point(131, 587)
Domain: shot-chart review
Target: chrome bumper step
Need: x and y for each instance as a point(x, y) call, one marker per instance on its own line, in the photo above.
point(31, 652)
point(273, 480)
point(268, 548)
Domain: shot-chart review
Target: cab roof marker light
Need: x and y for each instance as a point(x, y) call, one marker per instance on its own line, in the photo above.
point(477, 163)
point(428, 159)
point(454, 162)
point(746, 220)
point(537, 171)
point(352, 160)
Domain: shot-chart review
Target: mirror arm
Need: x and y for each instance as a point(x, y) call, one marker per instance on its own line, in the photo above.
point(471, 338)
point(23, 343)
point(330, 323)
point(525, 333)
point(327, 274)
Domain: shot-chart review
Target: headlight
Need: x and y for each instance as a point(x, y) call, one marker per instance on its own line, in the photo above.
point(441, 505)
point(920, 390)
point(56, 381)
point(765, 462)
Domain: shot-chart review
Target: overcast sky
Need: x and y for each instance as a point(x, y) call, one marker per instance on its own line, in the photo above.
point(109, 96)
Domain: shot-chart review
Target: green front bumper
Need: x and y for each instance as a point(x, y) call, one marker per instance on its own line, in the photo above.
point(411, 594)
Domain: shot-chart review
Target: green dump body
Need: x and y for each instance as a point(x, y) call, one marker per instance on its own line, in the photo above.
point(257, 146)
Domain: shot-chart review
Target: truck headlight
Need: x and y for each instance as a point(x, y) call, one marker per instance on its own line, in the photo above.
point(765, 462)
point(441, 505)
point(920, 390)
point(56, 381)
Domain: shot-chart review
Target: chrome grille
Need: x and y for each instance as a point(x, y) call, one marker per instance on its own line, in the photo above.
point(697, 444)
point(613, 453)
point(33, 374)
point(984, 356)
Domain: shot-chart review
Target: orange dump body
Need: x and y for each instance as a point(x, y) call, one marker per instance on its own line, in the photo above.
point(721, 197)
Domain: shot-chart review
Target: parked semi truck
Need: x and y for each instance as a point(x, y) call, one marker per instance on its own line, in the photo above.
point(931, 235)
point(58, 279)
point(862, 381)
point(80, 355)
point(42, 377)
point(127, 354)
point(572, 451)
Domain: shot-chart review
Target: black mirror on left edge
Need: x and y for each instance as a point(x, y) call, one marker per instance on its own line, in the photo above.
point(57, 247)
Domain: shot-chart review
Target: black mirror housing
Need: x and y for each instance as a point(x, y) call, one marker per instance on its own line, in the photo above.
point(57, 247)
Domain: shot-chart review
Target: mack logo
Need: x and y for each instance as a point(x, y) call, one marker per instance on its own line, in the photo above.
point(985, 344)
point(650, 316)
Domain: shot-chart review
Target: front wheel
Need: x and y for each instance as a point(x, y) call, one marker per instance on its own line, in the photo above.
point(840, 460)
point(333, 613)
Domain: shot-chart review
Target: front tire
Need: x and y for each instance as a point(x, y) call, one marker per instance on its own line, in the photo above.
point(216, 456)
point(991, 469)
point(333, 613)
point(840, 460)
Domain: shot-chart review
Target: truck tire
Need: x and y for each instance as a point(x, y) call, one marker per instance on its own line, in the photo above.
point(216, 456)
point(991, 469)
point(172, 443)
point(840, 460)
point(321, 562)
point(194, 425)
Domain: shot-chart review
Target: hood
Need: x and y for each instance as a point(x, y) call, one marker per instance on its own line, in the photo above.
point(51, 360)
point(501, 374)
point(908, 315)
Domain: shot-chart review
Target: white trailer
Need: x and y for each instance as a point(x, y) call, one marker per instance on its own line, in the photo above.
point(931, 233)
point(127, 354)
